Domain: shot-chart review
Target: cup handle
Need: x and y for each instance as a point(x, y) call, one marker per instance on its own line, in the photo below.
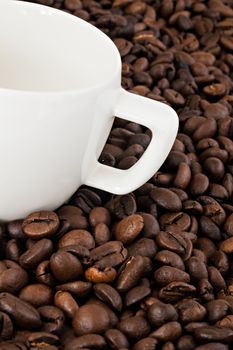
point(162, 120)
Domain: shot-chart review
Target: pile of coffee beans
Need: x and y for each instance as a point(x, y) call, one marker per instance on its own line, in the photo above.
point(151, 269)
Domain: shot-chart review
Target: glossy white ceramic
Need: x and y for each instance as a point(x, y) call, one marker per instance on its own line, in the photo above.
point(60, 88)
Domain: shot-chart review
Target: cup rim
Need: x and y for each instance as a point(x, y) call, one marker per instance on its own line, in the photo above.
point(57, 12)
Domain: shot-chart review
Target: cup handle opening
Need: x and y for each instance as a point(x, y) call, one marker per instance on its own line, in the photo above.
point(162, 120)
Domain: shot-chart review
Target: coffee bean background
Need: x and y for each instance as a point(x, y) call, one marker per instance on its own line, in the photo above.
point(151, 269)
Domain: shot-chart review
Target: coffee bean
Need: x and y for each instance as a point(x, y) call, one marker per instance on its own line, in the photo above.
point(175, 291)
point(99, 215)
point(65, 266)
point(22, 313)
point(13, 279)
point(212, 346)
point(169, 258)
point(199, 184)
point(6, 326)
point(142, 247)
point(167, 274)
point(41, 224)
point(91, 318)
point(40, 251)
point(88, 341)
point(214, 333)
point(132, 272)
point(96, 275)
point(196, 268)
point(52, 317)
point(77, 237)
point(168, 332)
point(136, 294)
point(37, 339)
point(185, 342)
point(65, 302)
point(122, 206)
point(79, 288)
point(166, 199)
point(134, 328)
point(185, 316)
point(109, 254)
point(43, 273)
point(129, 228)
point(108, 295)
point(160, 313)
point(146, 343)
point(73, 217)
point(116, 339)
point(37, 294)
point(217, 309)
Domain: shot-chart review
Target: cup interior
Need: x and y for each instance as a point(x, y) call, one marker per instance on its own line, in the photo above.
point(43, 49)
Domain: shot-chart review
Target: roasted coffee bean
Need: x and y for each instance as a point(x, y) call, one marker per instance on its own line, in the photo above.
point(22, 313)
point(40, 251)
point(91, 318)
point(77, 237)
point(196, 268)
point(6, 326)
point(146, 343)
point(43, 273)
point(101, 234)
point(79, 288)
point(136, 294)
point(133, 270)
point(96, 275)
point(41, 224)
point(185, 342)
point(185, 316)
point(214, 333)
point(169, 258)
point(99, 215)
point(216, 279)
point(172, 241)
point(108, 295)
point(226, 322)
point(13, 279)
point(86, 199)
point(129, 228)
point(9, 345)
point(122, 206)
point(65, 266)
point(167, 274)
point(37, 294)
point(175, 291)
point(89, 341)
point(116, 339)
point(212, 346)
point(73, 217)
point(109, 254)
point(168, 332)
point(160, 313)
point(65, 302)
point(134, 328)
point(142, 247)
point(217, 309)
point(43, 339)
point(52, 318)
point(166, 199)
point(14, 229)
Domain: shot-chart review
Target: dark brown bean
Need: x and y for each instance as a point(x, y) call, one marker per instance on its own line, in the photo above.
point(134, 328)
point(23, 314)
point(129, 228)
point(166, 199)
point(41, 224)
point(91, 318)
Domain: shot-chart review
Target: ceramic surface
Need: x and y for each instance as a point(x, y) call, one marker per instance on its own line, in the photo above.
point(60, 88)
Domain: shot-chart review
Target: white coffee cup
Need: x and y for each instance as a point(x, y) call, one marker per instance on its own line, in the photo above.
point(60, 88)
